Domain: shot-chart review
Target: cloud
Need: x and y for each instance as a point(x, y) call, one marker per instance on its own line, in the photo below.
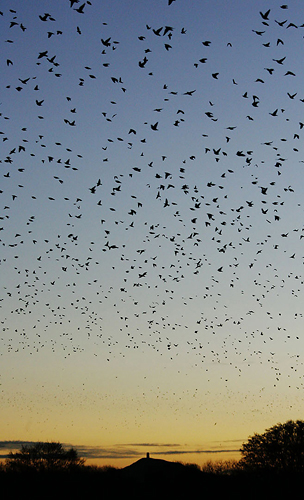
point(135, 450)
point(153, 444)
point(14, 445)
point(91, 452)
point(196, 452)
point(108, 453)
point(6, 447)
point(120, 451)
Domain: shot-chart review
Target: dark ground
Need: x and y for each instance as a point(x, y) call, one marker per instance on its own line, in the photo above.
point(145, 479)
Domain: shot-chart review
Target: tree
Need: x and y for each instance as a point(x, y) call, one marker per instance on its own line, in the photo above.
point(278, 449)
point(39, 457)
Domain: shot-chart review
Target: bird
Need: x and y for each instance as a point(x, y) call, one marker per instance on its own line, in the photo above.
point(280, 61)
point(80, 9)
point(106, 42)
point(265, 15)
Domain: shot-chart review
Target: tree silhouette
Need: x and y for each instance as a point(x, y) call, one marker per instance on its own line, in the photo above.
point(278, 449)
point(40, 457)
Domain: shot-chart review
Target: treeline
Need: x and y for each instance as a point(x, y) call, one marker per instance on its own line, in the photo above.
point(189, 481)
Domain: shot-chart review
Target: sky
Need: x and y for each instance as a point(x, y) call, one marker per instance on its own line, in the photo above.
point(151, 228)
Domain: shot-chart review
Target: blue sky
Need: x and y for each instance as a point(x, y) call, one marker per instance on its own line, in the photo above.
point(151, 221)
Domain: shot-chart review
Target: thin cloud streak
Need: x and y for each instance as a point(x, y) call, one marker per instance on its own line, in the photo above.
point(117, 452)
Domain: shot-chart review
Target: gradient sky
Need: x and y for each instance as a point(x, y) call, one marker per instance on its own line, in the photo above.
point(151, 225)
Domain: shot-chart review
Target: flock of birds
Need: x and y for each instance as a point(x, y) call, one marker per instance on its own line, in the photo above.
point(173, 223)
